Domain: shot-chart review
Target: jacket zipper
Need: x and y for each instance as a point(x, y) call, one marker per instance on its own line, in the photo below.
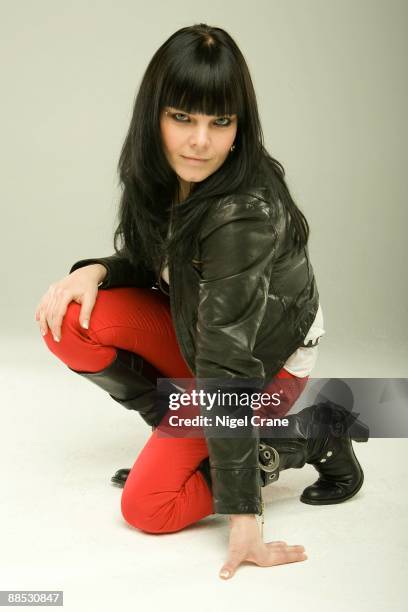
point(262, 512)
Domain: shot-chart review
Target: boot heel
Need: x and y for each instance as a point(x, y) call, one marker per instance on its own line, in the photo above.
point(359, 432)
point(348, 422)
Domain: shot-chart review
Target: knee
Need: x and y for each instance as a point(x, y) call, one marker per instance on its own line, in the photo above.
point(70, 329)
point(137, 511)
point(148, 514)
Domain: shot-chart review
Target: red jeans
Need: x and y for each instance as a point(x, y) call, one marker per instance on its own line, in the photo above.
point(164, 491)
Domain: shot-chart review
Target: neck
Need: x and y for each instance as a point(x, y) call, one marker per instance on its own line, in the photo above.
point(184, 189)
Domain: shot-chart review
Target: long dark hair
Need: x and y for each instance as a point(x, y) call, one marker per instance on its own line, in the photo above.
point(199, 69)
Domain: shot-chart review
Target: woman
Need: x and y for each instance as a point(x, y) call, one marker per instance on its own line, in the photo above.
point(212, 281)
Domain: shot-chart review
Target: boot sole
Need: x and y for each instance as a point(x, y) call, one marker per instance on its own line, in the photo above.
point(118, 483)
point(339, 500)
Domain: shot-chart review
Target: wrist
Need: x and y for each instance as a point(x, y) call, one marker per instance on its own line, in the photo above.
point(242, 518)
point(99, 270)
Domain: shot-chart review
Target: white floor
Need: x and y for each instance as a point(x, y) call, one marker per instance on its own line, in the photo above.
point(62, 528)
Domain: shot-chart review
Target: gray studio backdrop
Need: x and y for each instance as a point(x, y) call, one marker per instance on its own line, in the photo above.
point(331, 80)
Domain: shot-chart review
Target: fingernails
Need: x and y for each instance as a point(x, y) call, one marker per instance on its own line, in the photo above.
point(85, 324)
point(225, 574)
point(43, 332)
point(56, 338)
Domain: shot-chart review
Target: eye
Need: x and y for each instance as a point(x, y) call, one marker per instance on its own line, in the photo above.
point(175, 115)
point(224, 119)
point(176, 118)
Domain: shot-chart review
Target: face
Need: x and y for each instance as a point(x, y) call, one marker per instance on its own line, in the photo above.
point(206, 138)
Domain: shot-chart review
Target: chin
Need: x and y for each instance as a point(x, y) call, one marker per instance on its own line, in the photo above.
point(193, 178)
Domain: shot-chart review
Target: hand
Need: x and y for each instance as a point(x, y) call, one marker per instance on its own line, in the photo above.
point(246, 545)
point(80, 286)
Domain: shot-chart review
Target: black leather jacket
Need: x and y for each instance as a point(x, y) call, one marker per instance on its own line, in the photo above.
point(240, 313)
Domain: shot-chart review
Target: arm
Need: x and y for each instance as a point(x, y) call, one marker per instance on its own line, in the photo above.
point(120, 272)
point(238, 256)
point(237, 251)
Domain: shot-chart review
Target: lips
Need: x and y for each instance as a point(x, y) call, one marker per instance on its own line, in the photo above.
point(198, 159)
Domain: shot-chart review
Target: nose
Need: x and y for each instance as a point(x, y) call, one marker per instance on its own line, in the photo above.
point(199, 137)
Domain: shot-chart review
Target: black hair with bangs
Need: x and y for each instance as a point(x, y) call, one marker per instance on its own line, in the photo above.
point(198, 69)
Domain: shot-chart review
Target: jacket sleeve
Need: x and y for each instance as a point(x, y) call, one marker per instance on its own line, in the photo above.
point(237, 252)
point(120, 272)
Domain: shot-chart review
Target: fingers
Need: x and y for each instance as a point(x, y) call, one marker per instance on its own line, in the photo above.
point(86, 310)
point(49, 314)
point(60, 306)
point(284, 545)
point(288, 556)
point(228, 569)
point(40, 316)
point(37, 313)
point(274, 553)
point(52, 310)
point(281, 556)
point(41, 313)
point(43, 323)
point(81, 288)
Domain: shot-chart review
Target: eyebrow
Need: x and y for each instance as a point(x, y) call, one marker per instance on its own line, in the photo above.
point(186, 113)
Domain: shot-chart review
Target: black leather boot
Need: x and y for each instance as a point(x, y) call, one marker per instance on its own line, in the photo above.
point(320, 435)
point(126, 384)
point(120, 476)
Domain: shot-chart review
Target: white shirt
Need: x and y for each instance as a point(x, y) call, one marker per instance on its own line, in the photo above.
point(302, 361)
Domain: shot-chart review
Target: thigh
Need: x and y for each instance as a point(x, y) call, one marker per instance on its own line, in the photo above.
point(131, 318)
